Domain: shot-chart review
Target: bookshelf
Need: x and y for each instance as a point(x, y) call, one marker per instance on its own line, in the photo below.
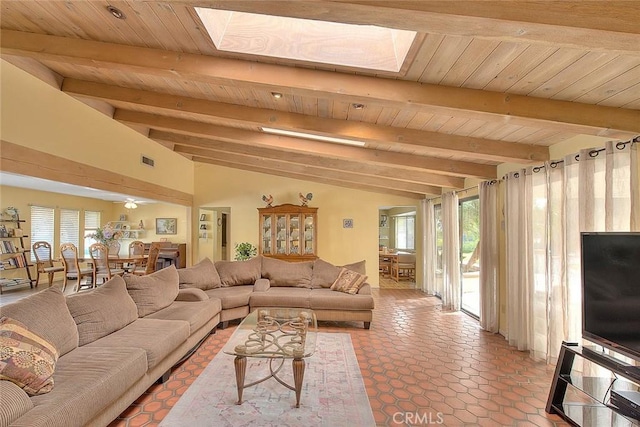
point(14, 263)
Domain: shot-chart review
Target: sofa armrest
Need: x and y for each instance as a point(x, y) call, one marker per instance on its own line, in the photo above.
point(365, 289)
point(15, 402)
point(192, 294)
point(261, 285)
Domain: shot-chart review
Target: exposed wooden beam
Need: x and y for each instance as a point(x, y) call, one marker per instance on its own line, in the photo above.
point(471, 103)
point(439, 143)
point(222, 133)
point(594, 25)
point(26, 161)
point(209, 146)
point(306, 177)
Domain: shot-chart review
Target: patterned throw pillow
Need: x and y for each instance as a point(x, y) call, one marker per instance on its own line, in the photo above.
point(349, 282)
point(25, 358)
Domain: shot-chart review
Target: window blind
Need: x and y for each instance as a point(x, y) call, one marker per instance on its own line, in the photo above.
point(70, 226)
point(41, 226)
point(91, 224)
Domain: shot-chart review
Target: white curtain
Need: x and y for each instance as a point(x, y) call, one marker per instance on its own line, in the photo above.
point(545, 210)
point(451, 255)
point(489, 256)
point(429, 247)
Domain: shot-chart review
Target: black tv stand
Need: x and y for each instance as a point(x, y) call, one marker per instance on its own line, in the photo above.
point(615, 365)
point(593, 407)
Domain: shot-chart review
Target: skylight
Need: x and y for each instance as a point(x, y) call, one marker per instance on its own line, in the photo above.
point(361, 46)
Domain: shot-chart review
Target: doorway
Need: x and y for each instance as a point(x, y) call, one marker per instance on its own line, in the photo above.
point(214, 233)
point(396, 234)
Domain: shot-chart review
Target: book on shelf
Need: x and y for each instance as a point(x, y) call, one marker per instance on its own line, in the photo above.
point(7, 247)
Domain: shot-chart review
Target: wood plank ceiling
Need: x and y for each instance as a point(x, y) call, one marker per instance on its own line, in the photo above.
point(484, 83)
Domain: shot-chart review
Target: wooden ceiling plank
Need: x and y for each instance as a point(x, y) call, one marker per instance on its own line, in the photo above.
point(581, 118)
point(474, 55)
point(311, 160)
point(494, 64)
point(481, 148)
point(305, 177)
point(206, 130)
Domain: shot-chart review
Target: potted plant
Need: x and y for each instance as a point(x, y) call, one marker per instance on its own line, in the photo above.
point(245, 251)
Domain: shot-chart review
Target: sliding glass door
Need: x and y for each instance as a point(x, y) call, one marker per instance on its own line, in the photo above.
point(470, 255)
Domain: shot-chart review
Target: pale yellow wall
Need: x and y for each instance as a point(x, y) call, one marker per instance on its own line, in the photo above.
point(43, 118)
point(242, 191)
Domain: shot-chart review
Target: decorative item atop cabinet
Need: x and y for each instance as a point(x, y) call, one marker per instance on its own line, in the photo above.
point(13, 253)
point(288, 232)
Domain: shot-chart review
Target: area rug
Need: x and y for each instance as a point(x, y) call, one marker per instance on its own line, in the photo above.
point(333, 392)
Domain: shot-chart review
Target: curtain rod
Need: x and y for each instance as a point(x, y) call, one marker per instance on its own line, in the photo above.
point(592, 153)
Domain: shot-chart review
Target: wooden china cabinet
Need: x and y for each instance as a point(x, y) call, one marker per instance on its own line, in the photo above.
point(288, 232)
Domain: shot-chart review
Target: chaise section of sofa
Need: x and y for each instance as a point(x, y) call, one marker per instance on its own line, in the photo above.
point(108, 354)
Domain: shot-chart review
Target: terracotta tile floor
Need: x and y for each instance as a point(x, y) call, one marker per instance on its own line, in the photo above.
point(420, 366)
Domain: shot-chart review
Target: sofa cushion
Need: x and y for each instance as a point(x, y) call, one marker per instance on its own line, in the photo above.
point(232, 297)
point(88, 380)
point(348, 281)
point(284, 273)
point(103, 310)
point(155, 291)
point(42, 310)
point(15, 402)
point(26, 359)
point(325, 273)
point(326, 299)
point(197, 313)
point(157, 337)
point(234, 273)
point(203, 275)
point(281, 297)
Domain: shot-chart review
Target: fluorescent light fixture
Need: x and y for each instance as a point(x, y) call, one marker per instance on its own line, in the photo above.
point(312, 136)
point(350, 45)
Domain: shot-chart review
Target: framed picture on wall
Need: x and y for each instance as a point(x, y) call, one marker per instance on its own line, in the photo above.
point(166, 225)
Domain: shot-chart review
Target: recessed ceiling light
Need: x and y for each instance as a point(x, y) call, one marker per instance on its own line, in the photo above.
point(357, 106)
point(276, 95)
point(116, 12)
point(312, 136)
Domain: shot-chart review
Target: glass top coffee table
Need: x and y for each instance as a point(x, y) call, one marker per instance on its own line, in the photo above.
point(277, 334)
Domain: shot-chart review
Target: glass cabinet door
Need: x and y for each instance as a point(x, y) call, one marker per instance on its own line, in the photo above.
point(281, 234)
point(267, 240)
point(294, 234)
point(309, 241)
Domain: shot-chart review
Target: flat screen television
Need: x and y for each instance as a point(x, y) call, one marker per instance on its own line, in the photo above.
point(611, 291)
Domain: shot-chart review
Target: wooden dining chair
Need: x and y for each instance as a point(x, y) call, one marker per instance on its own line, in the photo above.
point(72, 269)
point(152, 260)
point(44, 261)
point(101, 260)
point(404, 267)
point(136, 248)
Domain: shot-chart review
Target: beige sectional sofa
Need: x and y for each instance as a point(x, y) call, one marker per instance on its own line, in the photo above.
point(243, 286)
point(113, 343)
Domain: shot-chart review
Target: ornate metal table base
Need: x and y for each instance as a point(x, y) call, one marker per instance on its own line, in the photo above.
point(298, 364)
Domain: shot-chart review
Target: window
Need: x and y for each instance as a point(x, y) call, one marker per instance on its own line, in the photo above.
point(405, 232)
point(91, 224)
point(69, 226)
point(41, 226)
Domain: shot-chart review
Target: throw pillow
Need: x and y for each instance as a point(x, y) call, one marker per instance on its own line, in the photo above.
point(233, 273)
point(154, 291)
point(349, 282)
point(284, 273)
point(46, 314)
point(203, 275)
point(26, 359)
point(358, 267)
point(103, 310)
